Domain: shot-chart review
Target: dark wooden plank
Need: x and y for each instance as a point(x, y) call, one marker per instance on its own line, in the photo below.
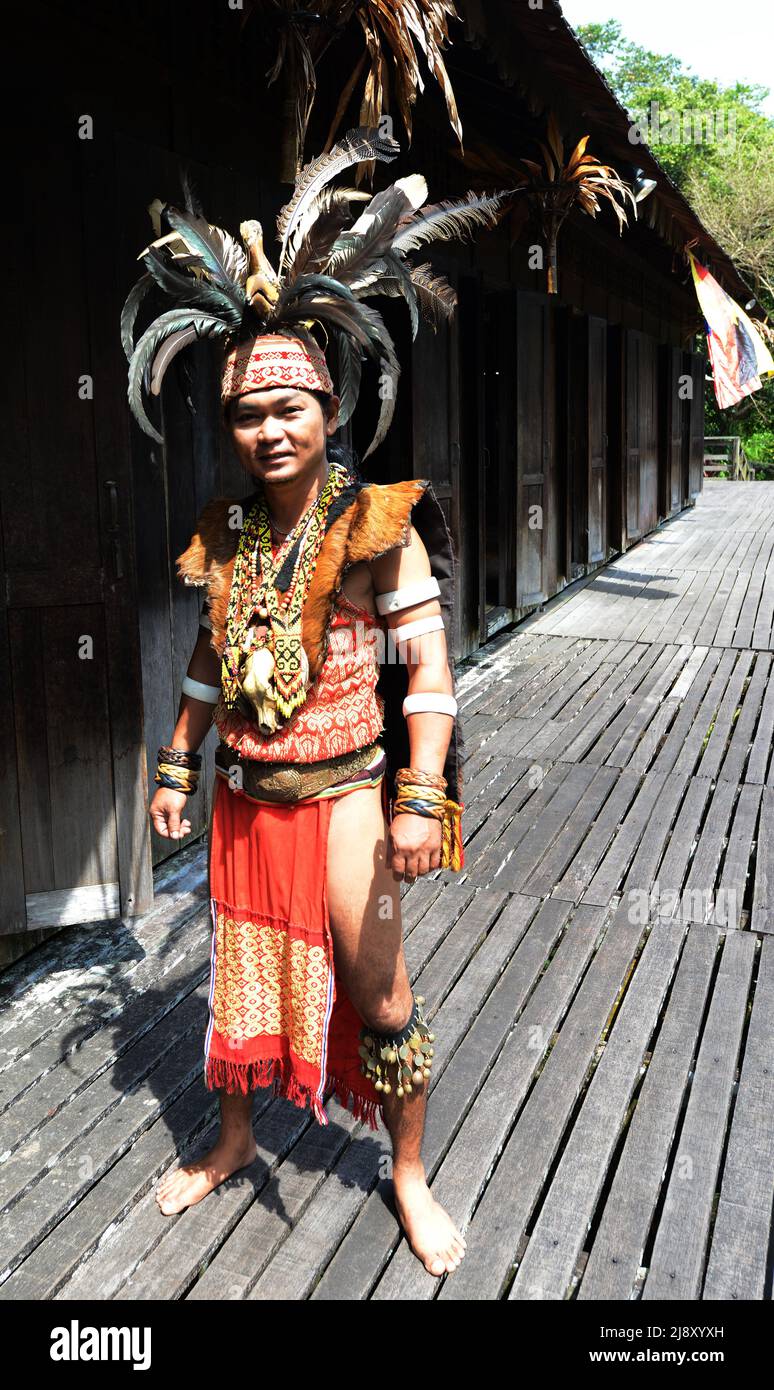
point(500, 1219)
point(763, 897)
point(624, 845)
point(729, 898)
point(737, 1263)
point(676, 1264)
point(80, 1157)
point(619, 1242)
point(555, 861)
point(556, 1242)
point(576, 879)
point(699, 891)
point(530, 849)
point(460, 1178)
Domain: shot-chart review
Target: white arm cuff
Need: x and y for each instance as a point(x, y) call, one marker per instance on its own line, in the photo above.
point(427, 702)
point(210, 694)
point(418, 628)
point(417, 592)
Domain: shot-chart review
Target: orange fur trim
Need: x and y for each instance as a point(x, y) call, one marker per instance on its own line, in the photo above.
point(377, 521)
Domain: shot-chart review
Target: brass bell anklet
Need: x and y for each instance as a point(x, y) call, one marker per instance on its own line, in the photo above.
point(403, 1059)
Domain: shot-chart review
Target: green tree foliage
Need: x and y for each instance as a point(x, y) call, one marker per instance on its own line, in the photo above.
point(728, 179)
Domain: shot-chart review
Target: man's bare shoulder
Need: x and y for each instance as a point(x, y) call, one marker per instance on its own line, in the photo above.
point(401, 565)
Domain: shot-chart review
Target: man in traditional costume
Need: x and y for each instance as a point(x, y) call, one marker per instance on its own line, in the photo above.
point(337, 772)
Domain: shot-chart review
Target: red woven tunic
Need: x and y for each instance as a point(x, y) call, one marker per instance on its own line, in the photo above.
point(342, 710)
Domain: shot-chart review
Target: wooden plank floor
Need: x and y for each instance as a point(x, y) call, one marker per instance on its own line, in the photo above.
point(600, 979)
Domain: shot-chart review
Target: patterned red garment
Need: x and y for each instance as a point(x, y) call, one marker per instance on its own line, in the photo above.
point(342, 710)
point(279, 1014)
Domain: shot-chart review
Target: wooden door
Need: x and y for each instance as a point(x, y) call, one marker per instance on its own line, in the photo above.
point(597, 440)
point(696, 365)
point(172, 482)
point(498, 492)
point(632, 427)
point(436, 429)
point(469, 392)
point(616, 434)
point(672, 430)
point(641, 435)
point(649, 435)
point(537, 533)
point(74, 825)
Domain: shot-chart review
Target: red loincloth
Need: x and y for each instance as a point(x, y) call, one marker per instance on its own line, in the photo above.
point(279, 1014)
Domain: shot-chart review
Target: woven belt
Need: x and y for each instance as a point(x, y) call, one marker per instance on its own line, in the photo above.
point(291, 781)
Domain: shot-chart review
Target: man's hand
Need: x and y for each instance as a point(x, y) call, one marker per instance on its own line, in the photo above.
point(164, 812)
point(414, 845)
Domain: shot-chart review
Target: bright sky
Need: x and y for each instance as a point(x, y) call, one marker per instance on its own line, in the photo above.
point(730, 43)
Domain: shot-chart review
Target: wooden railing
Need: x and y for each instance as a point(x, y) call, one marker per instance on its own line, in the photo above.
point(731, 458)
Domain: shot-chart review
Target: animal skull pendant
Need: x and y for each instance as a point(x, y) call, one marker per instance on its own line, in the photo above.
point(255, 680)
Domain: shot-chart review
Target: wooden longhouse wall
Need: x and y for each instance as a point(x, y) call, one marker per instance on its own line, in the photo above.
point(548, 425)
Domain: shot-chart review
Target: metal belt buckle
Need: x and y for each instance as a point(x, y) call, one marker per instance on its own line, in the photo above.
point(284, 784)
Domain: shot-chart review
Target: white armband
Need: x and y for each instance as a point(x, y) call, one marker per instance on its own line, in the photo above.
point(428, 702)
point(210, 694)
point(418, 628)
point(410, 594)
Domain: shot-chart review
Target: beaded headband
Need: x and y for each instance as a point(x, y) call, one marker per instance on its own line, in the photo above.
point(274, 359)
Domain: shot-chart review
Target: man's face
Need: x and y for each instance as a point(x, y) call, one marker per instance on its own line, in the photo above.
point(279, 434)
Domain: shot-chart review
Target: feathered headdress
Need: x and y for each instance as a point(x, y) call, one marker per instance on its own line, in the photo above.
point(328, 265)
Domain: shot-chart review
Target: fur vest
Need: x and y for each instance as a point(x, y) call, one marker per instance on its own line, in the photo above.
point(378, 519)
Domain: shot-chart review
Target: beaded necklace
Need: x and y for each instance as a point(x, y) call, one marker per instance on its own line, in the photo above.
point(254, 589)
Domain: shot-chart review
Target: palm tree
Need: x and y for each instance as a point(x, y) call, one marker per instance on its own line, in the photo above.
point(394, 31)
point(555, 186)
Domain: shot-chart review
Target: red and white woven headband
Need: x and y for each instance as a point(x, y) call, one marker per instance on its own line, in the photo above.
point(273, 359)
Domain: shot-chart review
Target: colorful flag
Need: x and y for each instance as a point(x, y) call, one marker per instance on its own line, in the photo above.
point(737, 352)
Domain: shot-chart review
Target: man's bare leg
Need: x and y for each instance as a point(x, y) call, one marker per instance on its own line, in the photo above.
point(364, 910)
point(234, 1148)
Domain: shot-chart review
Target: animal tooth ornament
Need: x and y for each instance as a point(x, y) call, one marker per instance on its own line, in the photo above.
point(329, 264)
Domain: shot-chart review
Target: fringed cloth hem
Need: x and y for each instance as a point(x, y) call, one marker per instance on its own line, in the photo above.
point(279, 1014)
point(231, 1077)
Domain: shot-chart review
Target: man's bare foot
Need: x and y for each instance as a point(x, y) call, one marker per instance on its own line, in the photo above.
point(184, 1187)
point(430, 1231)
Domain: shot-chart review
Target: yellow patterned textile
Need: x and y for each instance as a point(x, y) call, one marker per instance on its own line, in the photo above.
point(268, 982)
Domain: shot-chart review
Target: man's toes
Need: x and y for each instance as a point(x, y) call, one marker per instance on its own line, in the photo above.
point(437, 1265)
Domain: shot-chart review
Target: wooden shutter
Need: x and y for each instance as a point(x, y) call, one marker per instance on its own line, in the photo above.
point(597, 440)
point(697, 366)
point(74, 819)
point(641, 435)
point(672, 429)
point(537, 545)
point(436, 425)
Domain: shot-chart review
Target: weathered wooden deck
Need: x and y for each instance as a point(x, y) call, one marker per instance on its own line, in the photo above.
point(602, 977)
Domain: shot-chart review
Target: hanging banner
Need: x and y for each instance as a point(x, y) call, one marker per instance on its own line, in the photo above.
point(738, 354)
